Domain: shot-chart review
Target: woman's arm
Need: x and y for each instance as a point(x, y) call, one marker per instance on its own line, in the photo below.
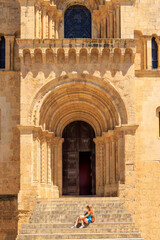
point(86, 215)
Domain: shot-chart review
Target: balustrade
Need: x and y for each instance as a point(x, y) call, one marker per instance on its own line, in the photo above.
point(74, 51)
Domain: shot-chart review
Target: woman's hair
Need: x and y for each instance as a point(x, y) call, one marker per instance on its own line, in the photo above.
point(90, 209)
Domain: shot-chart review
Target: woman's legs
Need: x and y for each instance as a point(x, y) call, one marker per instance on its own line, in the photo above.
point(85, 220)
point(77, 221)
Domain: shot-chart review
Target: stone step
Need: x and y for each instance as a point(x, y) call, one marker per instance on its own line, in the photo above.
point(80, 211)
point(71, 215)
point(52, 219)
point(99, 205)
point(81, 235)
point(68, 225)
point(71, 206)
point(78, 230)
point(63, 220)
point(101, 239)
point(75, 199)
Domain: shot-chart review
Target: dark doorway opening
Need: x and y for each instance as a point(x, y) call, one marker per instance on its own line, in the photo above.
point(78, 159)
point(85, 174)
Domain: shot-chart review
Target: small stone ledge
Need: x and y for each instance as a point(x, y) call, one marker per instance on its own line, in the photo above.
point(148, 73)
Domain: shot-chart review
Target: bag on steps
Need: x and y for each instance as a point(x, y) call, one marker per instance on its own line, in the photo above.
point(93, 219)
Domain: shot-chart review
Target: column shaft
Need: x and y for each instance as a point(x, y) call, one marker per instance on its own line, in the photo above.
point(107, 163)
point(117, 23)
point(49, 163)
point(149, 54)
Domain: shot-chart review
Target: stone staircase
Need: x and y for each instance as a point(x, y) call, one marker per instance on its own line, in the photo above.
point(52, 219)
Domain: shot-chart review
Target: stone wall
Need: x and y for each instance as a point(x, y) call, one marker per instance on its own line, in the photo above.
point(147, 157)
point(9, 17)
point(8, 217)
point(147, 199)
point(147, 102)
point(9, 134)
point(147, 16)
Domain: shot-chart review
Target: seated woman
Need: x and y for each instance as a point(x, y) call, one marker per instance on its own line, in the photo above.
point(87, 218)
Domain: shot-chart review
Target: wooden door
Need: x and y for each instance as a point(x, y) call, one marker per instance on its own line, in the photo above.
point(78, 145)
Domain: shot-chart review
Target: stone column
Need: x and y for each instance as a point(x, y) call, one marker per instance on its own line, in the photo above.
point(56, 28)
point(49, 162)
point(121, 158)
point(43, 23)
point(99, 146)
point(50, 29)
point(149, 54)
point(111, 163)
point(43, 160)
point(145, 53)
point(49, 138)
point(117, 22)
point(53, 27)
point(9, 46)
point(111, 23)
point(36, 155)
point(58, 163)
point(104, 27)
point(37, 22)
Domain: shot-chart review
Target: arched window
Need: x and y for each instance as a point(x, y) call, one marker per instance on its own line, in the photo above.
point(2, 52)
point(154, 53)
point(77, 22)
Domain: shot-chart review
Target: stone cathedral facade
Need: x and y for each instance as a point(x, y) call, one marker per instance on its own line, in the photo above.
point(79, 89)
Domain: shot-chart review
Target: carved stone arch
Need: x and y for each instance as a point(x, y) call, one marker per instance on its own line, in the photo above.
point(117, 55)
point(38, 56)
point(94, 56)
point(105, 56)
point(89, 82)
point(49, 56)
point(83, 56)
point(27, 56)
point(72, 56)
point(60, 56)
point(128, 57)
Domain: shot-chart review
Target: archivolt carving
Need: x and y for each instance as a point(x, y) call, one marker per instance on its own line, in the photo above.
point(78, 97)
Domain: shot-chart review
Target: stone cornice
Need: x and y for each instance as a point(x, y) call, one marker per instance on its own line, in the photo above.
point(147, 73)
point(125, 127)
point(77, 44)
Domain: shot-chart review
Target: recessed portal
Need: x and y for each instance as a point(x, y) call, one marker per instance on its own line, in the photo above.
point(78, 159)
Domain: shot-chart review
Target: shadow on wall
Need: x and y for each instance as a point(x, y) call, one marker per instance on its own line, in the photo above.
point(8, 217)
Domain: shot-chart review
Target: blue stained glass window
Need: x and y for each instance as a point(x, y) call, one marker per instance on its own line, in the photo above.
point(154, 53)
point(77, 22)
point(2, 53)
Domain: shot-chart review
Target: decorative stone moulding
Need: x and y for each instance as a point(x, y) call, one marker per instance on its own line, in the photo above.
point(93, 4)
point(73, 48)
